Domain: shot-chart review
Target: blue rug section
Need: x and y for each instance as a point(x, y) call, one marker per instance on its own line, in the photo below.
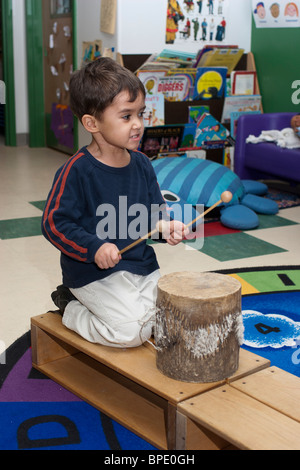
point(63, 426)
point(272, 328)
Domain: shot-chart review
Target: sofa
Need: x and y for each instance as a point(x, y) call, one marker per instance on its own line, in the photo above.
point(265, 160)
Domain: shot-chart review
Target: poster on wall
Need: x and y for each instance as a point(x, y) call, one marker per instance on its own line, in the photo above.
point(192, 21)
point(276, 14)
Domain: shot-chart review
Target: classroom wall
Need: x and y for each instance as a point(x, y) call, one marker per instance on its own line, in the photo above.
point(142, 23)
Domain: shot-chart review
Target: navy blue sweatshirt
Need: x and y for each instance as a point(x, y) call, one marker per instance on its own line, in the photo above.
point(79, 215)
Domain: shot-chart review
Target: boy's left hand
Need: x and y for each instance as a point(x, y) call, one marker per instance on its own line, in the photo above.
point(174, 231)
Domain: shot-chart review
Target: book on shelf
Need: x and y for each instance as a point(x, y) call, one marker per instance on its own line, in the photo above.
point(174, 87)
point(210, 133)
point(152, 64)
point(221, 57)
point(189, 75)
point(210, 47)
point(243, 82)
point(195, 112)
point(150, 79)
point(161, 139)
point(188, 137)
point(234, 117)
point(210, 83)
point(183, 58)
point(240, 103)
point(155, 110)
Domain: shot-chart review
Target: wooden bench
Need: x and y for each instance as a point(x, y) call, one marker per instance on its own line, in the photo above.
point(125, 384)
point(258, 412)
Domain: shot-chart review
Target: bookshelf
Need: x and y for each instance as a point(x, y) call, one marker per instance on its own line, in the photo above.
point(176, 112)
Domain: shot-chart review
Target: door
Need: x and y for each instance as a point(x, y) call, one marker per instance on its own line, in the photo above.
point(7, 110)
point(58, 65)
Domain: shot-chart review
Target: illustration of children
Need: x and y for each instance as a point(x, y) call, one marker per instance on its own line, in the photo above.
point(199, 3)
point(211, 29)
point(220, 7)
point(275, 10)
point(204, 29)
point(260, 10)
point(291, 9)
point(196, 28)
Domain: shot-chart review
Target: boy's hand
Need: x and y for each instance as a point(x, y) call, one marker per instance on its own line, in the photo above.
point(174, 231)
point(107, 256)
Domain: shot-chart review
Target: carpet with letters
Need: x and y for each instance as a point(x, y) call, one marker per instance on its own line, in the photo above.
point(36, 413)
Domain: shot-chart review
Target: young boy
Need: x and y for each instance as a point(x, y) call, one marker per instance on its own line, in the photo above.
point(91, 213)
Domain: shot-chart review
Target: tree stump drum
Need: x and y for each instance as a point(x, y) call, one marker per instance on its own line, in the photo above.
point(199, 326)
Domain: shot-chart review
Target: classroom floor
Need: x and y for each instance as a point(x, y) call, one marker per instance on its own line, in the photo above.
point(30, 265)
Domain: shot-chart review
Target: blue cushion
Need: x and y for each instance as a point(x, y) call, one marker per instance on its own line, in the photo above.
point(255, 187)
point(260, 204)
point(239, 217)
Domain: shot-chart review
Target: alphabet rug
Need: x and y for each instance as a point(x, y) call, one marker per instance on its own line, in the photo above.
point(36, 413)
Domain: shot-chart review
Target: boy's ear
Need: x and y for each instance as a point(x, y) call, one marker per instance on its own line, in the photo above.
point(89, 123)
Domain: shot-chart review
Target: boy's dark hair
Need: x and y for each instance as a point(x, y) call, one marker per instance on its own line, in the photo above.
point(95, 86)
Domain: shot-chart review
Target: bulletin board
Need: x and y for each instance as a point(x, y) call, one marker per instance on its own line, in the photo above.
point(275, 51)
point(58, 67)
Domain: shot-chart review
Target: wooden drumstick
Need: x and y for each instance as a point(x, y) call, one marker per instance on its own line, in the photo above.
point(226, 197)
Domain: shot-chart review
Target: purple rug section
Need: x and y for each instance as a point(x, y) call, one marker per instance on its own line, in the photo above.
point(19, 387)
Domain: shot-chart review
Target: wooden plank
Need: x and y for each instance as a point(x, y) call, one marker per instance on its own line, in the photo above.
point(192, 436)
point(242, 420)
point(46, 348)
point(139, 364)
point(274, 387)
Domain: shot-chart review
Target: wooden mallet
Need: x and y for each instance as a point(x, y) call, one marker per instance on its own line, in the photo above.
point(226, 197)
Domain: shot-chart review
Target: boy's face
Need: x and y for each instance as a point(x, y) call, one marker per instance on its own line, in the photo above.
point(122, 123)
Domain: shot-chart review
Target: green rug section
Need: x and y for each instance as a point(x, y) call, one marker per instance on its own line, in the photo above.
point(272, 221)
point(273, 281)
point(20, 228)
point(237, 246)
point(39, 204)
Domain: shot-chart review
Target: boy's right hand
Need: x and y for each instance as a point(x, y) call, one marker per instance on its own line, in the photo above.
point(107, 256)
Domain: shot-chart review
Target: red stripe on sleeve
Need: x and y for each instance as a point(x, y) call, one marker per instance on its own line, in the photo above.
point(62, 178)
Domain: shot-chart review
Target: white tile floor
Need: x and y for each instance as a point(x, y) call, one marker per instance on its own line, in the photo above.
point(30, 266)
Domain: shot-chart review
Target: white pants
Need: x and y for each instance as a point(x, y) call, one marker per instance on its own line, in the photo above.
point(117, 311)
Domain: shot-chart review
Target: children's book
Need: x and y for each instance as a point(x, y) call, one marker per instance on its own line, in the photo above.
point(189, 74)
point(155, 110)
point(183, 58)
point(195, 112)
point(161, 139)
point(240, 103)
point(150, 79)
point(174, 87)
point(210, 47)
point(220, 57)
point(234, 116)
point(243, 82)
point(210, 83)
point(188, 137)
point(210, 133)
